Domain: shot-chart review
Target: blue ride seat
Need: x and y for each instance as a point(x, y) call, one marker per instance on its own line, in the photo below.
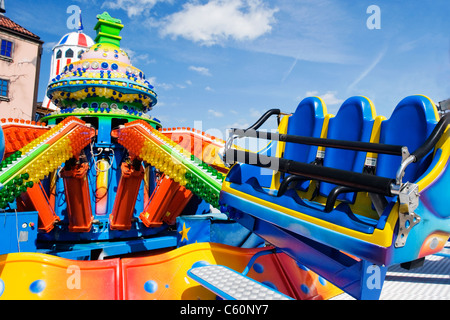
point(410, 124)
point(264, 174)
point(307, 121)
point(353, 122)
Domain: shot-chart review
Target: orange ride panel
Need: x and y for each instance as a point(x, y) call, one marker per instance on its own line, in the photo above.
point(163, 277)
point(19, 132)
point(76, 189)
point(127, 192)
point(33, 276)
point(177, 204)
point(36, 199)
point(156, 209)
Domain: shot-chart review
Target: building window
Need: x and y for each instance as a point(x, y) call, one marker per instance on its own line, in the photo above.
point(69, 53)
point(6, 48)
point(59, 54)
point(4, 84)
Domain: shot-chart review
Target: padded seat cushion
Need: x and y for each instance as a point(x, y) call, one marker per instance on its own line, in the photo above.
point(307, 121)
point(353, 122)
point(410, 124)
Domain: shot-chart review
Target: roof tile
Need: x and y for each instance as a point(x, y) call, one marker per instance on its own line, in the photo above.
point(7, 23)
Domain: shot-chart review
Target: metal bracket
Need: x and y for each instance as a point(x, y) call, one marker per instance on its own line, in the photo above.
point(407, 159)
point(409, 201)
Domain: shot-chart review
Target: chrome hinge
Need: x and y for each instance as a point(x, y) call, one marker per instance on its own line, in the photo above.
point(409, 201)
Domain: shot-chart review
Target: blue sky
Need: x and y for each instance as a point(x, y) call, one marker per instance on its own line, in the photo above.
point(217, 64)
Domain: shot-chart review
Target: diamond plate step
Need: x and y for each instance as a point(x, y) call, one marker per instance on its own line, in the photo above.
point(231, 285)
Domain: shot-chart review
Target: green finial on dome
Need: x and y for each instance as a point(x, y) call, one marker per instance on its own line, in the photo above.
point(108, 29)
point(105, 16)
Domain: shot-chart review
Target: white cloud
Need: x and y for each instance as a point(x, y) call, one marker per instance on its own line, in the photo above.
point(165, 86)
point(152, 80)
point(372, 66)
point(220, 20)
point(329, 97)
point(215, 113)
point(202, 70)
point(286, 75)
point(312, 94)
point(137, 58)
point(156, 84)
point(48, 46)
point(133, 7)
point(240, 124)
point(254, 113)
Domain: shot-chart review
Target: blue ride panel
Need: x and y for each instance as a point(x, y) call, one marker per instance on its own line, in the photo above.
point(353, 122)
point(216, 228)
point(18, 231)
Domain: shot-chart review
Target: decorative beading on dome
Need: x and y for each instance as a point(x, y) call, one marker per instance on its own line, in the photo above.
point(103, 76)
point(105, 51)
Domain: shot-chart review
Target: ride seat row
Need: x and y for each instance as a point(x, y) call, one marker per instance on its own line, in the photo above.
point(410, 125)
point(356, 120)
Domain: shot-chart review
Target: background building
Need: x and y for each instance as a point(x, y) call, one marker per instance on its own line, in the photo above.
point(20, 61)
point(67, 51)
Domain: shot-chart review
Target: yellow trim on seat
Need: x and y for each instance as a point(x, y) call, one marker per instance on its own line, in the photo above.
point(282, 129)
point(436, 113)
point(363, 203)
point(372, 107)
point(375, 136)
point(444, 145)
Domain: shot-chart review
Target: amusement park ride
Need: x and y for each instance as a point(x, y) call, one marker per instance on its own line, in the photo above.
point(99, 201)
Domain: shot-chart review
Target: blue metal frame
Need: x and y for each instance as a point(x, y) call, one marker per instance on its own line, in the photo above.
point(18, 231)
point(86, 251)
point(359, 278)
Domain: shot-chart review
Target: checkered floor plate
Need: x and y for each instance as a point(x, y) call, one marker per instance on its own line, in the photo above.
point(231, 285)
